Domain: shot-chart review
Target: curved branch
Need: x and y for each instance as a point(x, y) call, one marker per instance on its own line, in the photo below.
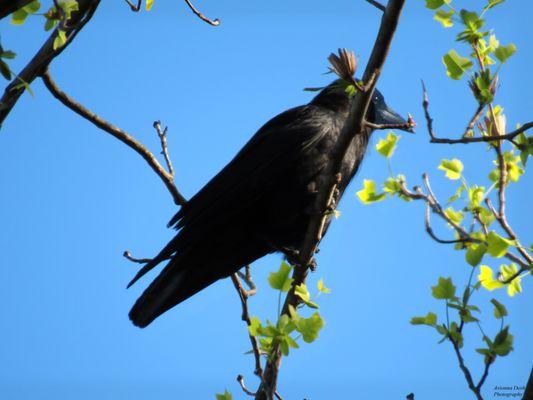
point(213, 22)
point(118, 133)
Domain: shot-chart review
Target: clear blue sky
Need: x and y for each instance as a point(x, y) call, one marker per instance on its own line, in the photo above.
point(73, 199)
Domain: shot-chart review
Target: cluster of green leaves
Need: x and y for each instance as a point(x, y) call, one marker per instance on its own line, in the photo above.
point(502, 343)
point(473, 222)
point(484, 46)
point(53, 16)
point(289, 328)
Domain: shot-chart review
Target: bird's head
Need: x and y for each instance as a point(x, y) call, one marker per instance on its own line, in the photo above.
point(334, 96)
point(381, 114)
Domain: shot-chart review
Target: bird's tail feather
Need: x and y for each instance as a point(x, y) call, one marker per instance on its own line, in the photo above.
point(175, 284)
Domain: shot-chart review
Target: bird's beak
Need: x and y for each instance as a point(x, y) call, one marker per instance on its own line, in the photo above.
point(387, 116)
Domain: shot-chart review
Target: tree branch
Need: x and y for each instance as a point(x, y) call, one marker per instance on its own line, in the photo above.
point(326, 195)
point(134, 7)
point(124, 137)
point(377, 4)
point(45, 55)
point(465, 140)
point(213, 22)
point(243, 295)
point(9, 6)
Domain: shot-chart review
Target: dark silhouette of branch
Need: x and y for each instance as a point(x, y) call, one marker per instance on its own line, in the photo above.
point(124, 137)
point(528, 393)
point(377, 4)
point(214, 22)
point(10, 6)
point(128, 256)
point(409, 126)
point(45, 55)
point(134, 7)
point(325, 198)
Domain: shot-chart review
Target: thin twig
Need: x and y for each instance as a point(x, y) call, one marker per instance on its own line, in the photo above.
point(162, 134)
point(502, 220)
point(430, 232)
point(134, 7)
point(240, 379)
point(243, 295)
point(377, 4)
point(408, 126)
point(465, 140)
point(466, 371)
point(214, 22)
point(118, 133)
point(128, 255)
point(474, 119)
point(247, 279)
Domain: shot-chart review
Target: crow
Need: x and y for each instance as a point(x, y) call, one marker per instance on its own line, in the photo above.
point(259, 203)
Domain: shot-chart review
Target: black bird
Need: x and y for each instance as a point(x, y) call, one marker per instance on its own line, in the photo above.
point(259, 203)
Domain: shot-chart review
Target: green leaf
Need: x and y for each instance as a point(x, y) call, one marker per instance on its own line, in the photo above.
point(503, 342)
point(503, 53)
point(507, 272)
point(33, 7)
point(392, 186)
point(499, 309)
point(8, 54)
point(434, 4)
point(456, 65)
point(255, 327)
point(475, 253)
point(430, 319)
point(452, 168)
point(149, 4)
point(457, 194)
point(310, 327)
point(60, 39)
point(444, 289)
point(475, 196)
point(50, 24)
point(386, 147)
point(497, 245)
point(491, 4)
point(321, 287)
point(455, 216)
point(486, 277)
point(525, 146)
point(225, 396)
point(444, 17)
point(368, 194)
point(23, 85)
point(280, 280)
point(4, 70)
point(302, 292)
point(19, 16)
point(486, 216)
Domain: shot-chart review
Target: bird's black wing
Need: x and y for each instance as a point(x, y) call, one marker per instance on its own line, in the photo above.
point(268, 157)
